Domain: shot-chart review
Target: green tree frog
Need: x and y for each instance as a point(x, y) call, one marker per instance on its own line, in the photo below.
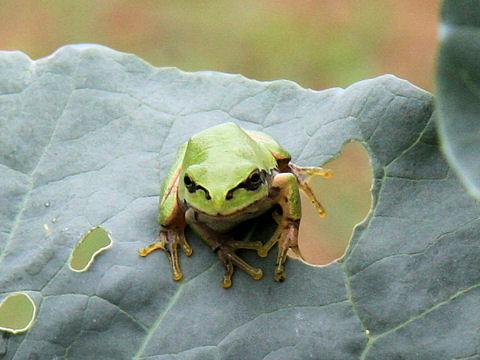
point(222, 177)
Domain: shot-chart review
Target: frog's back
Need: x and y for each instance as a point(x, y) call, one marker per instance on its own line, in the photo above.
point(227, 142)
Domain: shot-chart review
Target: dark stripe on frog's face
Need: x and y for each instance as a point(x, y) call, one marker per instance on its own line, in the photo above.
point(228, 193)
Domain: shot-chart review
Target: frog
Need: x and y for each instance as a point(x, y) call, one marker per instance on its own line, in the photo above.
point(224, 176)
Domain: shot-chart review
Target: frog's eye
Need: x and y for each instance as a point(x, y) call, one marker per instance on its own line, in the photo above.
point(189, 183)
point(254, 180)
point(192, 187)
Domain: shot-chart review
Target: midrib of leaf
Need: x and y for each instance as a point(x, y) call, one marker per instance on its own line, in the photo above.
point(159, 320)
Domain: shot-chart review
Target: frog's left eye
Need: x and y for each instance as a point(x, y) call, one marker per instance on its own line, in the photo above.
point(189, 183)
point(192, 186)
point(254, 180)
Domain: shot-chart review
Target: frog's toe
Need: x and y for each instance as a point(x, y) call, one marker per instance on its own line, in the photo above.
point(257, 274)
point(152, 247)
point(262, 253)
point(187, 249)
point(227, 277)
point(177, 275)
point(254, 272)
point(172, 253)
point(280, 274)
point(226, 282)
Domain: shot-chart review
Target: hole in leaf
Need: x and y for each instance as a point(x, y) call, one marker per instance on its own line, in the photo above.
point(17, 313)
point(92, 243)
point(347, 198)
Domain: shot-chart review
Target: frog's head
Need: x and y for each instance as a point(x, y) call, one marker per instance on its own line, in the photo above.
point(226, 191)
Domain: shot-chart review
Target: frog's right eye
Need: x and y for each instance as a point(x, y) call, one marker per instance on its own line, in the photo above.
point(189, 183)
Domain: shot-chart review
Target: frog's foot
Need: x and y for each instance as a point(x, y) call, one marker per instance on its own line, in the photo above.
point(286, 236)
point(302, 174)
point(169, 240)
point(226, 253)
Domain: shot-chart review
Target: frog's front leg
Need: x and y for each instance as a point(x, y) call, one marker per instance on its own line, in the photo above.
point(170, 237)
point(302, 174)
point(286, 194)
point(172, 219)
point(224, 246)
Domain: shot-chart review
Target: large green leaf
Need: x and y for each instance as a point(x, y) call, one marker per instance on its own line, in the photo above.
point(87, 135)
point(459, 89)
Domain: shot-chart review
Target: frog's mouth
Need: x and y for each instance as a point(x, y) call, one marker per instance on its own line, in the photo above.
point(253, 209)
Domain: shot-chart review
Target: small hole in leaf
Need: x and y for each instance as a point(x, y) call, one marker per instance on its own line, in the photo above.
point(347, 198)
point(90, 245)
point(17, 313)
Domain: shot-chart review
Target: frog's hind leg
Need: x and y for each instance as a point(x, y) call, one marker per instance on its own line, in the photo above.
point(226, 253)
point(225, 247)
point(302, 174)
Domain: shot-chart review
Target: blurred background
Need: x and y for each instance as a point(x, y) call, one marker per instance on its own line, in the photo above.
point(316, 43)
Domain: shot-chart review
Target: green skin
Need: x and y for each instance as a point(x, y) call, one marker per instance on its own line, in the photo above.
point(221, 177)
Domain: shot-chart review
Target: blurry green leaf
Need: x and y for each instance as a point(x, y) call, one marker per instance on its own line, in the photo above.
point(91, 132)
point(458, 81)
